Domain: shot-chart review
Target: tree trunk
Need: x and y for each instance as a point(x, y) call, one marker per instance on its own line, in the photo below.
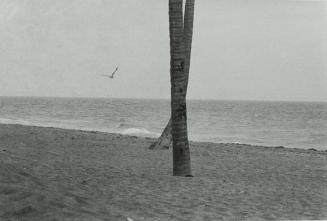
point(187, 36)
point(181, 152)
point(165, 139)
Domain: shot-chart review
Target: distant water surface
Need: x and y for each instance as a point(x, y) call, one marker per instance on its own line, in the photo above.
point(289, 124)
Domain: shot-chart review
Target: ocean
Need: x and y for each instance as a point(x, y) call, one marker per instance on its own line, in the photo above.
point(288, 124)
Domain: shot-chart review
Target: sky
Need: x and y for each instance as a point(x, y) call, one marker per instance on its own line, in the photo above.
point(242, 50)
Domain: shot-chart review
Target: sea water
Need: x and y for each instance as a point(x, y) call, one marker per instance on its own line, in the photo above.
point(289, 124)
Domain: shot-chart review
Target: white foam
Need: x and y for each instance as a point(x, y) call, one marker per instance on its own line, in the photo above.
point(129, 131)
point(139, 131)
point(15, 121)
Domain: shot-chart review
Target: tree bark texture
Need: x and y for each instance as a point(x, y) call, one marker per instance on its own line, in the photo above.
point(165, 139)
point(181, 152)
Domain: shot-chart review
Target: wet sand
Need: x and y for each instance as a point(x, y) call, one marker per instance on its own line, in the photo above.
point(58, 174)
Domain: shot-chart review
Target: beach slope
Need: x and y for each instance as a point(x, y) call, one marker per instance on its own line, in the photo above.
point(58, 174)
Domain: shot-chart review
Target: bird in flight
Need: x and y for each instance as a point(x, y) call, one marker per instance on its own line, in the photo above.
point(112, 75)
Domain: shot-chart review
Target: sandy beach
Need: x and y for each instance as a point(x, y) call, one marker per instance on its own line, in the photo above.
point(58, 174)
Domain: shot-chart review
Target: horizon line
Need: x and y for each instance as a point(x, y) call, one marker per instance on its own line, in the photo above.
point(162, 98)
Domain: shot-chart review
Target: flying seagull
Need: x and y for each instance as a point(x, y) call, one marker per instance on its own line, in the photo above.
point(112, 75)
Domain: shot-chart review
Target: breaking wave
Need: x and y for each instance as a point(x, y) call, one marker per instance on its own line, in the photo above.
point(15, 121)
point(139, 132)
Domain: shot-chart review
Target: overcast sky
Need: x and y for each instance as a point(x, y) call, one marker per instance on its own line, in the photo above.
point(253, 49)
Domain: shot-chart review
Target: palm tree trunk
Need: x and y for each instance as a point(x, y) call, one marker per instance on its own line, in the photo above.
point(165, 139)
point(181, 152)
point(188, 35)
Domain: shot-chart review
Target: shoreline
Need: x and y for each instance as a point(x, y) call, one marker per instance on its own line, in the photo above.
point(62, 174)
point(153, 138)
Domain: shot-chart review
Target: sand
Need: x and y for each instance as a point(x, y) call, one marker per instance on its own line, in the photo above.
point(57, 174)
